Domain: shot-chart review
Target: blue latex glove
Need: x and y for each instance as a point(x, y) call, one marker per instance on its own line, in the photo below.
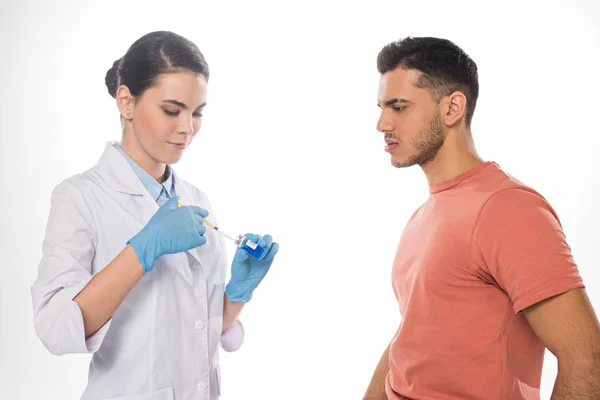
point(171, 230)
point(247, 272)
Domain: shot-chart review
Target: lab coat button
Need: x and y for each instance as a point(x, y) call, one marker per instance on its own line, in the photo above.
point(199, 325)
point(201, 387)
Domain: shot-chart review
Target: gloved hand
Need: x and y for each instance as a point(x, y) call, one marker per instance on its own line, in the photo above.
point(171, 229)
point(247, 272)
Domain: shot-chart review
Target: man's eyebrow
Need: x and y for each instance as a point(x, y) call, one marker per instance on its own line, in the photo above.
point(395, 100)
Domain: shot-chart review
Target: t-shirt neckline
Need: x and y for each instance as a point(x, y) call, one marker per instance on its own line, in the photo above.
point(445, 185)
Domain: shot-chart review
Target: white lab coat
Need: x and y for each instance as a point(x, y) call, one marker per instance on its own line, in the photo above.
point(162, 341)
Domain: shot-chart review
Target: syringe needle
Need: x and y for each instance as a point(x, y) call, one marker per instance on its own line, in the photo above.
point(227, 235)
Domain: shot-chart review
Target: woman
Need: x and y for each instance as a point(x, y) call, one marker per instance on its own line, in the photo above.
point(128, 275)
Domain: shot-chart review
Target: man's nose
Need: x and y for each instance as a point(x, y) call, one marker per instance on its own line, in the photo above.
point(385, 124)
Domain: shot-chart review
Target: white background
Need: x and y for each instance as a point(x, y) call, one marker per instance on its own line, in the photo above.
point(289, 147)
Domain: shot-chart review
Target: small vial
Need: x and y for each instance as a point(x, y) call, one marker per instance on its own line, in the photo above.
point(252, 248)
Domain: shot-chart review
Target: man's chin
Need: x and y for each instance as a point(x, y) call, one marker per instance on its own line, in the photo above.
point(403, 163)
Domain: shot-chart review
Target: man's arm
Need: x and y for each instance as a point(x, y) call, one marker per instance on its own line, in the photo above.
point(568, 327)
point(376, 389)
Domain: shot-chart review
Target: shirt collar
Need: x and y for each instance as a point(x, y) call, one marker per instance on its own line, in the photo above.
point(151, 184)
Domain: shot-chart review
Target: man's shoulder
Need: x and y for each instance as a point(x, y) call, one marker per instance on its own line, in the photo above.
point(508, 200)
point(504, 188)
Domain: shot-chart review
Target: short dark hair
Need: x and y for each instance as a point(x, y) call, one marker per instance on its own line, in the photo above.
point(445, 67)
point(151, 55)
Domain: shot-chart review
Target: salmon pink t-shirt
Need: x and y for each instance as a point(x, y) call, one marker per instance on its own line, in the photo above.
point(482, 248)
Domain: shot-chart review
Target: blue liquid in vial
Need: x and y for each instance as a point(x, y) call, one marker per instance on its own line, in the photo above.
point(253, 249)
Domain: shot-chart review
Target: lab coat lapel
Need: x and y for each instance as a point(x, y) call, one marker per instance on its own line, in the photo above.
point(130, 194)
point(186, 198)
point(134, 199)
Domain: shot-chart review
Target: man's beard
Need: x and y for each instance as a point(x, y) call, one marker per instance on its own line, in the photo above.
point(428, 143)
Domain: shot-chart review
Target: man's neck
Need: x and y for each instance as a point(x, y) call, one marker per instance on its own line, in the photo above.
point(457, 155)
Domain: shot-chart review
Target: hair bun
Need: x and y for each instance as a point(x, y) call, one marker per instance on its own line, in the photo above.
point(112, 78)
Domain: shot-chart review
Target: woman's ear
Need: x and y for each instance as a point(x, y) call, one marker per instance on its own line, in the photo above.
point(125, 102)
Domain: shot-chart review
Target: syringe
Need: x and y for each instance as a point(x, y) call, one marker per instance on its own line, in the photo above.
point(253, 249)
point(216, 228)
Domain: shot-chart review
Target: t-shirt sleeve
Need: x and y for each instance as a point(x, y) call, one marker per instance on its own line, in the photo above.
point(519, 243)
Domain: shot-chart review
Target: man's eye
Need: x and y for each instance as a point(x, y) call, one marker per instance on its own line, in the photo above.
point(398, 108)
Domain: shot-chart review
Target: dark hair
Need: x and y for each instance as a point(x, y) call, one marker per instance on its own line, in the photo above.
point(445, 67)
point(151, 55)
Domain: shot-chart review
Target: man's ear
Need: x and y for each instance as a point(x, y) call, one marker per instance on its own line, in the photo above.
point(453, 108)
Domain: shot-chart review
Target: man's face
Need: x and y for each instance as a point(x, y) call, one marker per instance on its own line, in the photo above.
point(410, 119)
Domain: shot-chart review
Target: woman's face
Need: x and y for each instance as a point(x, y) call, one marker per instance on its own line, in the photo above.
point(164, 120)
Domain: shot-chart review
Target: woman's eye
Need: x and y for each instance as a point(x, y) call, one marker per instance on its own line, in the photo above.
point(176, 113)
point(171, 113)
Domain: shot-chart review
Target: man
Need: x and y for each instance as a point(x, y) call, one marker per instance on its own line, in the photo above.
point(483, 275)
